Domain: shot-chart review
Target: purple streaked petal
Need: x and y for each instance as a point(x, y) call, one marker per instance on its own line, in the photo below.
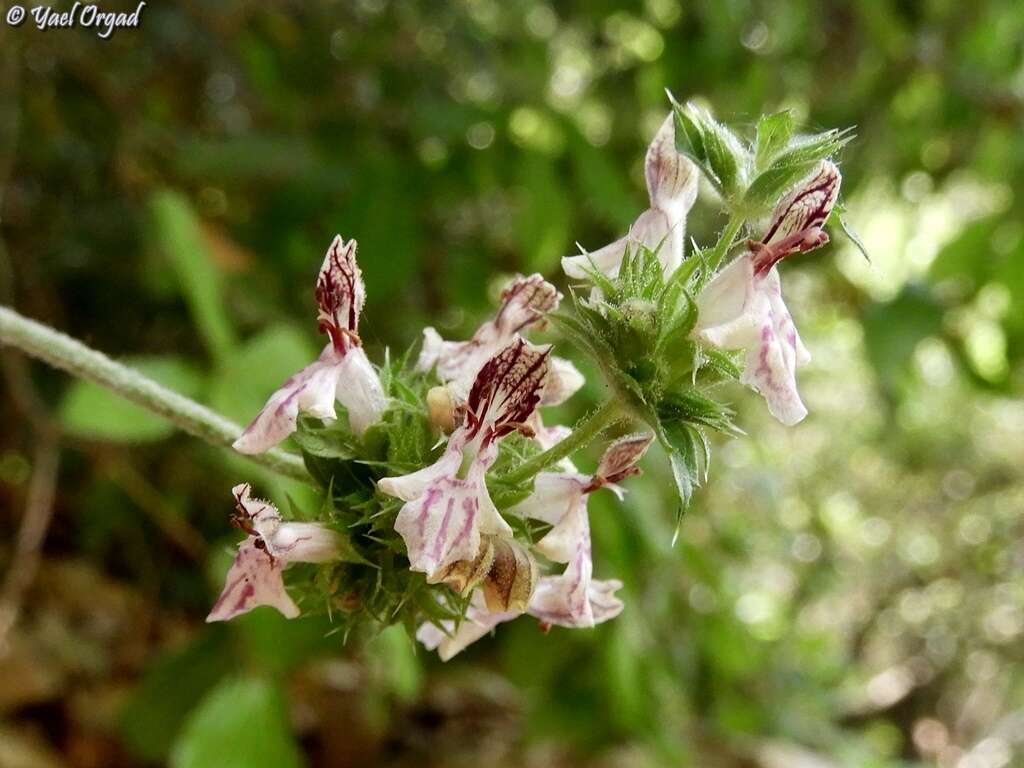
point(412, 486)
point(808, 205)
point(741, 310)
point(311, 391)
point(254, 579)
point(340, 293)
point(442, 525)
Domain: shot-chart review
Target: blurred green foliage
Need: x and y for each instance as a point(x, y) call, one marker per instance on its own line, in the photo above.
point(848, 591)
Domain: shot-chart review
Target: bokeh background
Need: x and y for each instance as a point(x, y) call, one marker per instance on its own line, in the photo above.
point(848, 592)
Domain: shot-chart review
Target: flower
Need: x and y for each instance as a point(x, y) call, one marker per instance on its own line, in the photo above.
point(742, 306)
point(524, 302)
point(342, 372)
point(672, 189)
point(255, 577)
point(573, 598)
point(447, 506)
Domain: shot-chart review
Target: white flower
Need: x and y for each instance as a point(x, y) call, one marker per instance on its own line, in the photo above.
point(672, 189)
point(742, 306)
point(447, 506)
point(524, 302)
point(255, 577)
point(342, 372)
point(573, 598)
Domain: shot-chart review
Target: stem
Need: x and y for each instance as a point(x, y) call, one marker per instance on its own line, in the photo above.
point(725, 242)
point(61, 351)
point(586, 429)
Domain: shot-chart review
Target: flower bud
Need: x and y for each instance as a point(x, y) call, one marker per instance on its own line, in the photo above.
point(620, 458)
point(304, 543)
point(513, 575)
point(441, 409)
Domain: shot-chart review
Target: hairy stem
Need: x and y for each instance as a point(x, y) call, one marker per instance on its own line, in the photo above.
point(586, 429)
point(728, 237)
point(61, 351)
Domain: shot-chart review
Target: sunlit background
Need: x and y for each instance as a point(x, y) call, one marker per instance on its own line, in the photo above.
point(848, 592)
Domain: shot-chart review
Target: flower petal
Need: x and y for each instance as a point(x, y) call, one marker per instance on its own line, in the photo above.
point(444, 524)
point(621, 456)
point(254, 579)
point(359, 390)
point(671, 176)
point(771, 365)
point(507, 390)
point(808, 205)
point(604, 605)
point(564, 380)
point(554, 494)
point(311, 391)
point(451, 639)
point(741, 310)
point(730, 308)
point(296, 542)
point(525, 301)
point(340, 292)
point(412, 486)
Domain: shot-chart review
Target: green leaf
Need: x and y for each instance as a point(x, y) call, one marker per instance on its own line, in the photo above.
point(333, 441)
point(242, 723)
point(721, 155)
point(689, 455)
point(170, 688)
point(773, 134)
point(790, 167)
point(180, 239)
point(90, 411)
point(691, 406)
point(853, 237)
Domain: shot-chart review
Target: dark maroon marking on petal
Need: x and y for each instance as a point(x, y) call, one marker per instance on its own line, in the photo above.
point(805, 211)
point(338, 295)
point(507, 389)
point(534, 294)
point(248, 592)
point(620, 459)
point(825, 181)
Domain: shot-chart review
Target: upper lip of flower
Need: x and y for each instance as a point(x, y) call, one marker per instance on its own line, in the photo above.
point(506, 391)
point(340, 294)
point(796, 225)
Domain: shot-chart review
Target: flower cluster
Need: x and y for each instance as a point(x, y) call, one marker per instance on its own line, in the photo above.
point(447, 467)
